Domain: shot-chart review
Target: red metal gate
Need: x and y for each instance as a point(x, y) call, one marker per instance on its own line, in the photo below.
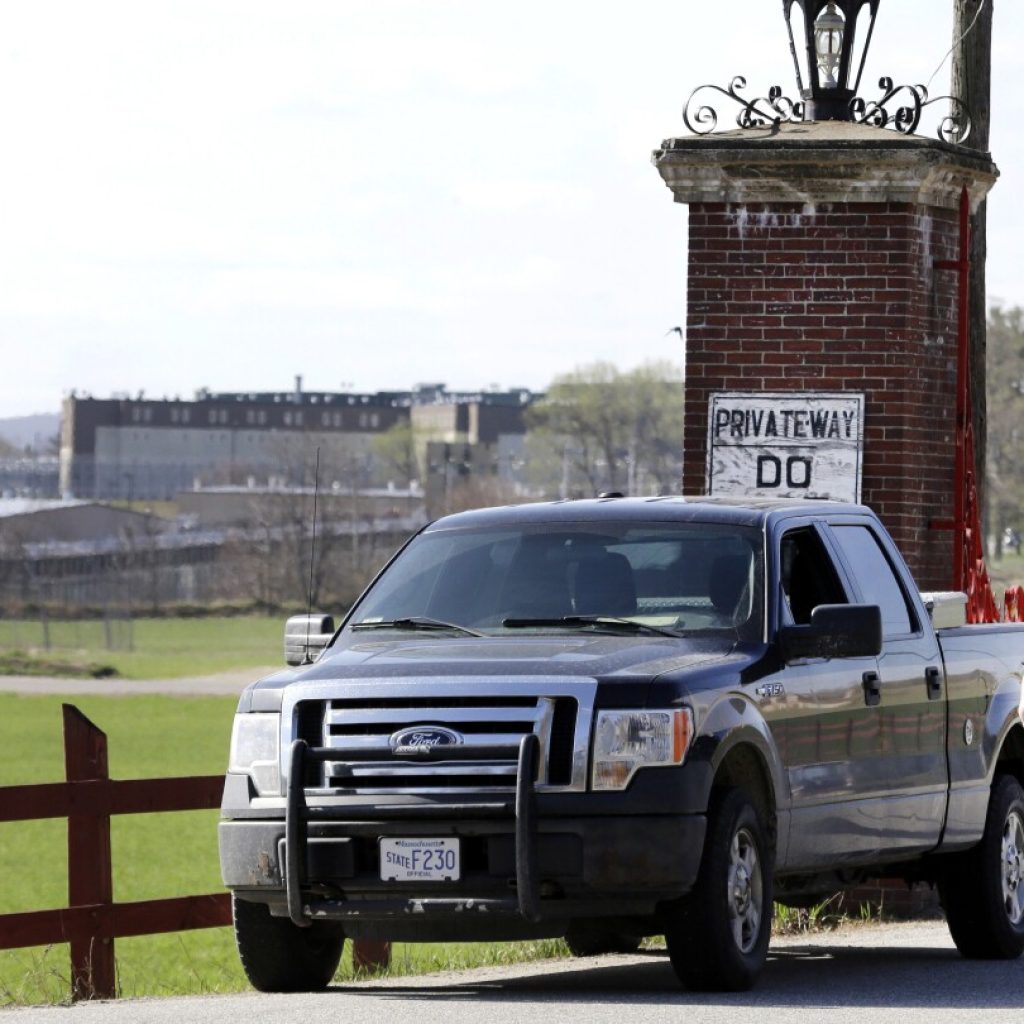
point(969, 571)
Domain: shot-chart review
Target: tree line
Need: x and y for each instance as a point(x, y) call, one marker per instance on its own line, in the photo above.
point(1004, 464)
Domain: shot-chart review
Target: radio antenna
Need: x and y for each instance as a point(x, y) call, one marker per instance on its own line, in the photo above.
point(312, 552)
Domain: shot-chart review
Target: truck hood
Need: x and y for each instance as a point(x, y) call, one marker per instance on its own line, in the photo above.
point(624, 660)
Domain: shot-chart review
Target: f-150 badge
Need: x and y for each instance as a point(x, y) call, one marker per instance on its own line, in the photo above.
point(766, 690)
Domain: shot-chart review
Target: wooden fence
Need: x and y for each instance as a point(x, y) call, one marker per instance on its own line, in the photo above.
point(92, 920)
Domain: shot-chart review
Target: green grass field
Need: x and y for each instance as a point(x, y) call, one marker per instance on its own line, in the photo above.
point(146, 648)
point(154, 855)
point(1004, 572)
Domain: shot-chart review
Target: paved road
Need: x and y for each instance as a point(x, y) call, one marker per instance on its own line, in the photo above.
point(862, 975)
point(219, 684)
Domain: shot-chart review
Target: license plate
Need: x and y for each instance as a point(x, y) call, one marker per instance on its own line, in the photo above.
point(419, 860)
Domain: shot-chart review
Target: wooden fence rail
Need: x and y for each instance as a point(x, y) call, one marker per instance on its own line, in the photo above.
point(92, 920)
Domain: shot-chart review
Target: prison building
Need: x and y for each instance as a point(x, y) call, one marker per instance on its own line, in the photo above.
point(141, 448)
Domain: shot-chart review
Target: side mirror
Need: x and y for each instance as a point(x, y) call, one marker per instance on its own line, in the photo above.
point(305, 636)
point(835, 631)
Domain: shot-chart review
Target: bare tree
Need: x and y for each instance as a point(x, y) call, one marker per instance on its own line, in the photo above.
point(395, 454)
point(479, 491)
point(617, 430)
point(15, 574)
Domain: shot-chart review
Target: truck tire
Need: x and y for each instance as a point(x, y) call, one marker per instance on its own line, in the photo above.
point(983, 893)
point(277, 956)
point(594, 938)
point(718, 934)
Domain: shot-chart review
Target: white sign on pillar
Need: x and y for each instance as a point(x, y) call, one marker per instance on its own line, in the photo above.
point(788, 445)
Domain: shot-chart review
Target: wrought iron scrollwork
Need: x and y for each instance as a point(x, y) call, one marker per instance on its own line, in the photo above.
point(900, 107)
point(906, 116)
point(758, 112)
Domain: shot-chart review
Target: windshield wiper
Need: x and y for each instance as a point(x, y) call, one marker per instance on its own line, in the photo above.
point(416, 622)
point(582, 621)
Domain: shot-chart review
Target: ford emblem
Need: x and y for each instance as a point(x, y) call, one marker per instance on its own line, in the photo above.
point(422, 739)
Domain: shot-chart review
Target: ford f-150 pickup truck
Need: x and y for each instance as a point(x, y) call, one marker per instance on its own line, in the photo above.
point(615, 718)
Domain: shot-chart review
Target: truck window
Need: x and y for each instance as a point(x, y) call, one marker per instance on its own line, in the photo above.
point(807, 575)
point(875, 577)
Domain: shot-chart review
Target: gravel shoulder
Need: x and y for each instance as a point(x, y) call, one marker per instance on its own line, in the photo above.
point(220, 684)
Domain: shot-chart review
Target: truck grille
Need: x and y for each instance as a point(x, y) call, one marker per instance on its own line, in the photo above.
point(365, 730)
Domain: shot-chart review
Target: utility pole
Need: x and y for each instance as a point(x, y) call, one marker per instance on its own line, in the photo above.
point(971, 82)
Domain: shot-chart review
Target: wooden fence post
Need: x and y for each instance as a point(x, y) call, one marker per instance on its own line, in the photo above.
point(371, 956)
point(90, 880)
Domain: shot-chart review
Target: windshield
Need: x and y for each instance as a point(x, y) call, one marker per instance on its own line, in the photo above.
point(678, 578)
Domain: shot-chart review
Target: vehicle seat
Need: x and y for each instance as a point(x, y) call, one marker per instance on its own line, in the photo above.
point(605, 586)
point(729, 587)
point(536, 586)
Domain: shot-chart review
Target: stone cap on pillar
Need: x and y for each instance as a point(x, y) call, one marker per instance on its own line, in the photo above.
point(822, 162)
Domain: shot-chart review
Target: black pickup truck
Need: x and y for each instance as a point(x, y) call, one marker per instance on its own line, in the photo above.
point(616, 718)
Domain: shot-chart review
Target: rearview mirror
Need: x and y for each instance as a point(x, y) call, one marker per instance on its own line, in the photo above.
point(305, 636)
point(835, 631)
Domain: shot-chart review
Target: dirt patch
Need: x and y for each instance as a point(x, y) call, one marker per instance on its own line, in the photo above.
point(220, 684)
point(19, 663)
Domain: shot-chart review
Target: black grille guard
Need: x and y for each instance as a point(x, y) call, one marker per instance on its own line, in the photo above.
point(526, 902)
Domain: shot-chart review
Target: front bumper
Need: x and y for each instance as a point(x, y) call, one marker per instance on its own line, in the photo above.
point(519, 867)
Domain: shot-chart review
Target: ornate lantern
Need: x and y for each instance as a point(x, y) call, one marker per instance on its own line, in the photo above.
point(834, 36)
point(831, 33)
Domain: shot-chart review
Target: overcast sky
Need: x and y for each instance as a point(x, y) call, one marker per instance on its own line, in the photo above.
point(375, 193)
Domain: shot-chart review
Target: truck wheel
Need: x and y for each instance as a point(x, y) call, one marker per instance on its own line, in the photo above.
point(983, 894)
point(717, 935)
point(279, 957)
point(592, 938)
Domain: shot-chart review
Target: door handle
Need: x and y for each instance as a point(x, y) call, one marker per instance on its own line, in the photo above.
point(872, 682)
point(933, 680)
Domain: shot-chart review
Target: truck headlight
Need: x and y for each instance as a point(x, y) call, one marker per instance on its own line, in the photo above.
point(627, 740)
point(256, 751)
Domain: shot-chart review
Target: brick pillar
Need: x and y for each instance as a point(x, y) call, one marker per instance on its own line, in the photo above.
point(812, 268)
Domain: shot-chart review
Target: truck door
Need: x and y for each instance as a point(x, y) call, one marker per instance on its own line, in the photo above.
point(836, 732)
point(905, 779)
